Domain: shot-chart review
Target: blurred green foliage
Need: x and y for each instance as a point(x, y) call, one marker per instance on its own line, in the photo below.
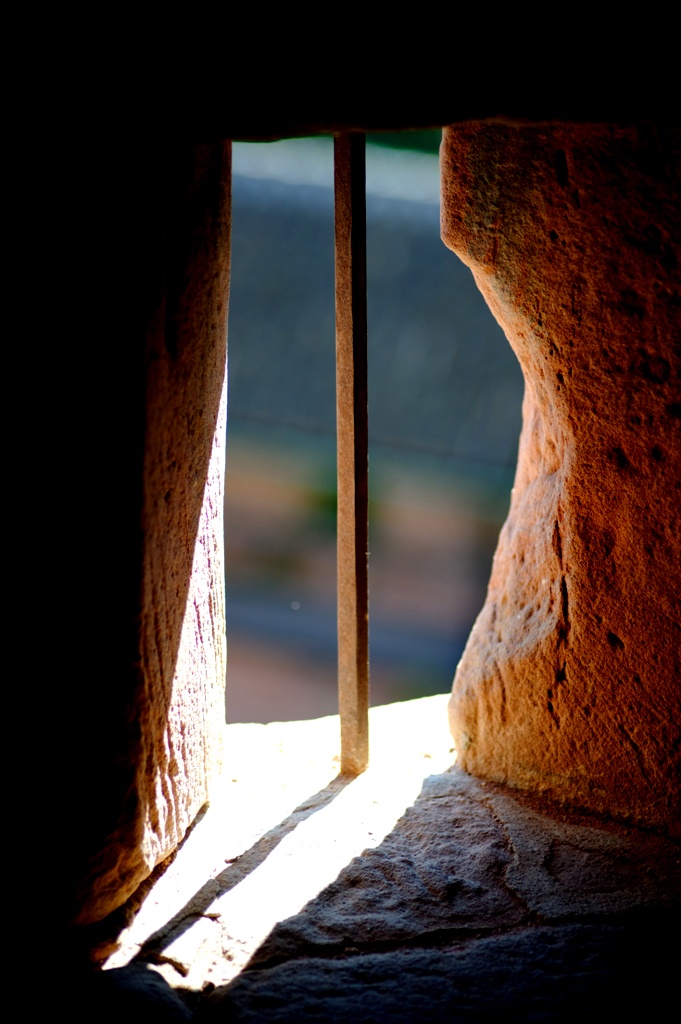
point(427, 141)
point(322, 504)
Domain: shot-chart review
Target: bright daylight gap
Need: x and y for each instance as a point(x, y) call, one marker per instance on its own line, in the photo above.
point(445, 394)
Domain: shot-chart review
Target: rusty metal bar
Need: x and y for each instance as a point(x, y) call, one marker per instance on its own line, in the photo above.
point(352, 448)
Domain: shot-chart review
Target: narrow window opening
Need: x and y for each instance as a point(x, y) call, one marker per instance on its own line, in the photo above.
point(444, 397)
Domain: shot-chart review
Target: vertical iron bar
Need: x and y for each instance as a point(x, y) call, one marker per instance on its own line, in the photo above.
point(352, 449)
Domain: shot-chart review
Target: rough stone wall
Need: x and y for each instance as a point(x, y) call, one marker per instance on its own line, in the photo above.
point(183, 619)
point(150, 709)
point(571, 679)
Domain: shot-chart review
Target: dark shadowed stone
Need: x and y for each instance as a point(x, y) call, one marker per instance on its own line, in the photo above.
point(575, 972)
point(128, 994)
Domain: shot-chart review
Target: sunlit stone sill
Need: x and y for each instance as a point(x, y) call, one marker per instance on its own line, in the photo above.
point(280, 828)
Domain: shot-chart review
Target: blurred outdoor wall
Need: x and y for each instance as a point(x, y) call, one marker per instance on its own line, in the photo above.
point(445, 394)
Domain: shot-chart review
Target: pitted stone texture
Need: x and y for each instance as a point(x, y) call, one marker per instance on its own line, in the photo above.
point(571, 680)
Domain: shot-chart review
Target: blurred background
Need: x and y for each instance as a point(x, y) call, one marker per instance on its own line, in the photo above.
point(445, 394)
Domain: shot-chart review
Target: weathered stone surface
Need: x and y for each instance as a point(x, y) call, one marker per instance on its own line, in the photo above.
point(156, 753)
point(466, 859)
point(563, 868)
point(576, 972)
point(445, 894)
point(441, 869)
point(183, 622)
point(280, 830)
point(571, 680)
